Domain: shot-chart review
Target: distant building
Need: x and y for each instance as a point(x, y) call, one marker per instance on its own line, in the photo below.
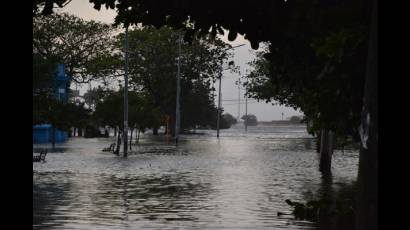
point(61, 83)
point(43, 133)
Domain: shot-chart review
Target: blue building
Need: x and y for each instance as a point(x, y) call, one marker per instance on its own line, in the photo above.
point(43, 133)
point(61, 83)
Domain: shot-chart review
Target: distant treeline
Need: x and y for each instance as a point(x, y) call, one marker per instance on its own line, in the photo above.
point(279, 122)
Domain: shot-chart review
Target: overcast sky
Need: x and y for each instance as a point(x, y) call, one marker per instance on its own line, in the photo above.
point(242, 55)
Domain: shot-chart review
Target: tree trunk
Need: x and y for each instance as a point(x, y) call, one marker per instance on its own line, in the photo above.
point(318, 137)
point(117, 149)
point(131, 137)
point(367, 213)
point(138, 135)
point(125, 139)
point(167, 124)
point(327, 220)
point(326, 151)
point(115, 131)
point(155, 131)
point(172, 126)
point(53, 137)
point(80, 132)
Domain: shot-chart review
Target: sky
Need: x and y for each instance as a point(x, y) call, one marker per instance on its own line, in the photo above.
point(242, 55)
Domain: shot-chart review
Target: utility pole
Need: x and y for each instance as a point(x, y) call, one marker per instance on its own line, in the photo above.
point(246, 113)
point(177, 109)
point(219, 96)
point(239, 96)
point(239, 100)
point(126, 95)
point(219, 106)
point(246, 109)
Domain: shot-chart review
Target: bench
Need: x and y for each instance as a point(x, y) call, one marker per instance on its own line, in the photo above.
point(109, 149)
point(41, 157)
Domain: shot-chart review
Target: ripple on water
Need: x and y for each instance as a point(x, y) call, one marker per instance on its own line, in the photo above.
point(237, 182)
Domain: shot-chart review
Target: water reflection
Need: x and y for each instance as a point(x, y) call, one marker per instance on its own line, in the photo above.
point(238, 181)
point(48, 196)
point(332, 205)
point(326, 195)
point(150, 198)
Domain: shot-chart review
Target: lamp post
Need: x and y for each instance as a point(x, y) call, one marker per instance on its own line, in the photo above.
point(126, 95)
point(219, 107)
point(239, 99)
point(219, 96)
point(246, 113)
point(246, 108)
point(177, 109)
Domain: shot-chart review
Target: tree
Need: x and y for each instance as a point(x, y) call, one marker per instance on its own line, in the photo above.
point(152, 70)
point(367, 214)
point(62, 115)
point(47, 108)
point(44, 70)
point(80, 116)
point(85, 47)
point(231, 120)
point(142, 113)
point(93, 96)
point(323, 74)
point(43, 77)
point(295, 119)
point(109, 110)
point(250, 120)
point(273, 21)
point(313, 89)
point(45, 7)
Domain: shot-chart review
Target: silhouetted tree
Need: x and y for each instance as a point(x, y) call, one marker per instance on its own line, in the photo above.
point(276, 21)
point(85, 47)
point(142, 112)
point(152, 70)
point(231, 120)
point(250, 120)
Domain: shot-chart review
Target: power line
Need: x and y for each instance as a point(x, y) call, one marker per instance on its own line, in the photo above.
point(242, 103)
point(237, 99)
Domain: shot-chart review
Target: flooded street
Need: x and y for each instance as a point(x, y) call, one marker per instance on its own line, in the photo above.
point(240, 181)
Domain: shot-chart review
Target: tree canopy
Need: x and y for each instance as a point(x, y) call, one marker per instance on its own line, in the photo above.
point(324, 81)
point(85, 47)
point(142, 113)
point(250, 119)
point(46, 106)
point(231, 120)
point(152, 70)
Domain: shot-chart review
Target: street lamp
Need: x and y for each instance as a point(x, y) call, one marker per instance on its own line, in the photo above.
point(239, 98)
point(177, 109)
point(219, 94)
point(246, 107)
point(246, 113)
point(126, 95)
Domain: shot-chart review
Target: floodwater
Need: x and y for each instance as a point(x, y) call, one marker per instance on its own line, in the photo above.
point(240, 181)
